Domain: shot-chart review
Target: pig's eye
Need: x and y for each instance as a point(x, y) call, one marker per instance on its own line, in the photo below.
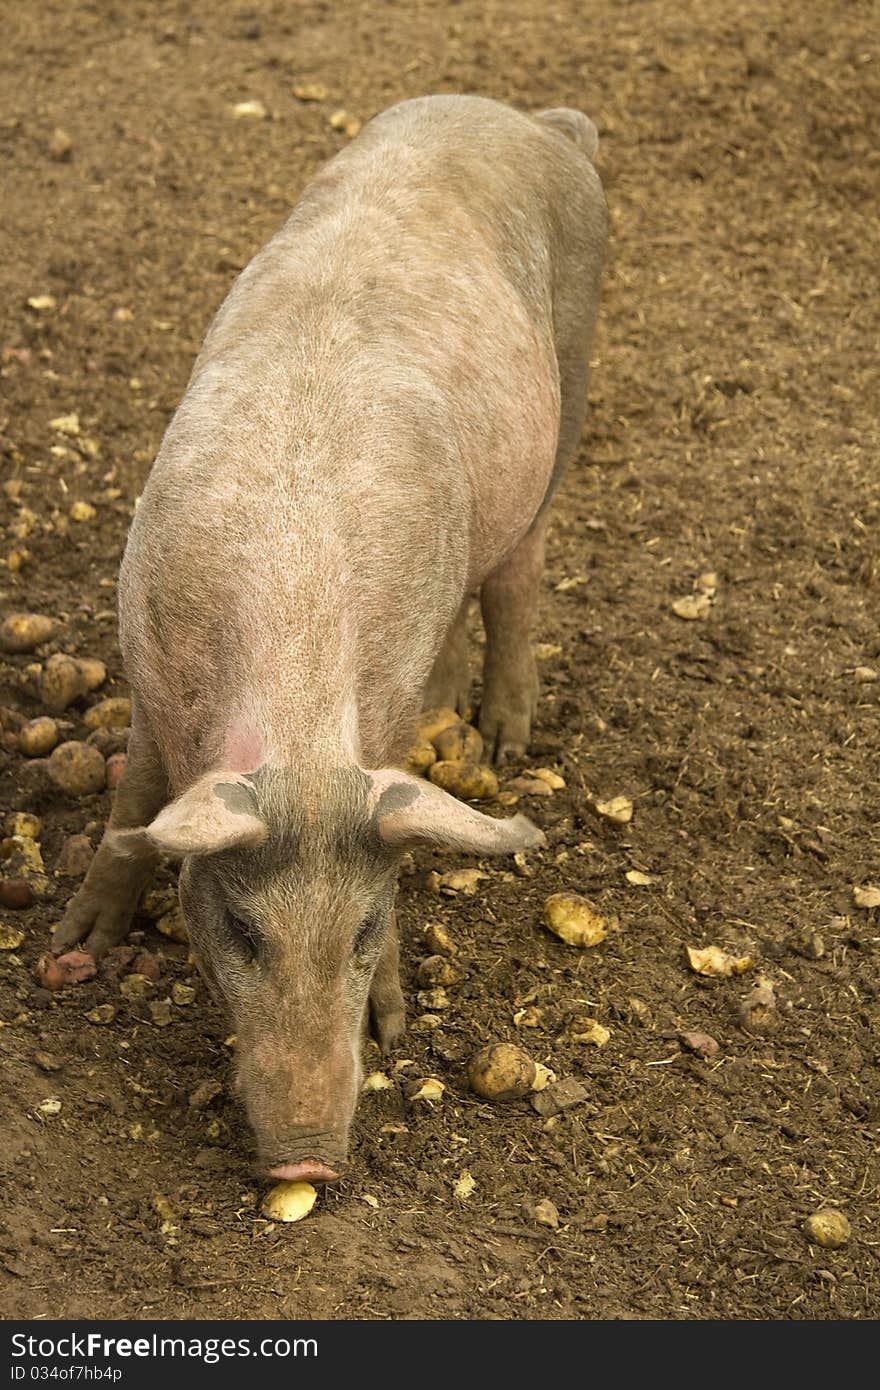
point(245, 936)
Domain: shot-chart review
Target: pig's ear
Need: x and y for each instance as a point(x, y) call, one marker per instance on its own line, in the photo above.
point(218, 812)
point(407, 811)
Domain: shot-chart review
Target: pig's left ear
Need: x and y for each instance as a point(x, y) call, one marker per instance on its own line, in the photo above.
point(407, 811)
point(218, 812)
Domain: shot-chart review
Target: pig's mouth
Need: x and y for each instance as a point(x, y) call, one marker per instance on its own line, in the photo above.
point(309, 1170)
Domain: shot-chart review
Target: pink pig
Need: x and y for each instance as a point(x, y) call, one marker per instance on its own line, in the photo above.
point(373, 431)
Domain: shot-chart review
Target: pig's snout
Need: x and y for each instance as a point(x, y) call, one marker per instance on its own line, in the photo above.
point(310, 1170)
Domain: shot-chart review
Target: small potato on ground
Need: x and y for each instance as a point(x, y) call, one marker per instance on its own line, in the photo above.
point(77, 769)
point(501, 1072)
point(289, 1201)
point(468, 781)
point(38, 737)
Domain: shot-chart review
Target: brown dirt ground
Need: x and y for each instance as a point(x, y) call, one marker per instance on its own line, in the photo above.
point(732, 429)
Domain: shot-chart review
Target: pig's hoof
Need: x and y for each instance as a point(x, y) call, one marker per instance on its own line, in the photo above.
point(96, 924)
point(505, 737)
point(387, 1026)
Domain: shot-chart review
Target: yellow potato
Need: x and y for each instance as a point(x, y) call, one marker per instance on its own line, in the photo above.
point(501, 1071)
point(459, 743)
point(467, 781)
point(61, 683)
point(77, 769)
point(38, 737)
point(433, 720)
point(21, 632)
point(289, 1201)
point(420, 757)
point(114, 713)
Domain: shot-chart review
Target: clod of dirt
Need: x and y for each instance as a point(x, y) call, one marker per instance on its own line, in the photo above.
point(869, 896)
point(73, 968)
point(757, 1013)
point(465, 1185)
point(116, 765)
point(51, 1106)
point(827, 1227)
point(113, 713)
point(61, 683)
point(182, 994)
point(204, 1093)
point(310, 91)
point(38, 737)
point(47, 1062)
point(466, 780)
point(866, 675)
point(66, 424)
point(459, 743)
point(23, 823)
point(420, 757)
point(60, 146)
point(426, 1023)
point(638, 879)
point(76, 855)
point(160, 1012)
point(541, 1213)
point(619, 810)
point(16, 894)
point(250, 110)
point(427, 1088)
point(501, 1072)
point(459, 881)
point(82, 512)
point(559, 1096)
point(10, 937)
point(692, 607)
point(529, 1017)
point(712, 960)
point(102, 1014)
point(588, 1030)
point(21, 632)
point(76, 769)
point(438, 940)
point(574, 920)
point(433, 721)
point(436, 970)
point(701, 1044)
point(289, 1201)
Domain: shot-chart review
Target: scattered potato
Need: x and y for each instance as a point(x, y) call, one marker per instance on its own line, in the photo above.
point(427, 1088)
point(869, 896)
point(23, 823)
point(432, 721)
point(468, 781)
point(530, 786)
point(588, 1030)
point(544, 1077)
point(501, 1072)
point(553, 779)
point(82, 511)
point(436, 970)
point(16, 893)
point(135, 986)
point(289, 1201)
point(465, 1186)
point(173, 925)
point(73, 968)
point(574, 920)
point(255, 111)
point(182, 994)
point(94, 672)
point(459, 743)
point(438, 940)
point(10, 937)
point(420, 757)
point(102, 1014)
point(61, 683)
point(310, 91)
point(460, 881)
point(692, 607)
point(377, 1081)
point(638, 879)
point(21, 632)
point(77, 769)
point(434, 999)
point(38, 737)
point(529, 1017)
point(827, 1227)
point(619, 810)
point(711, 960)
point(113, 713)
point(160, 1012)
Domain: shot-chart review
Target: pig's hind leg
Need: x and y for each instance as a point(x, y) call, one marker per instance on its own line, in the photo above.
point(100, 914)
point(509, 599)
point(449, 683)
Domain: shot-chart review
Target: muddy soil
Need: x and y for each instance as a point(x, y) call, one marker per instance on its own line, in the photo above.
point(732, 432)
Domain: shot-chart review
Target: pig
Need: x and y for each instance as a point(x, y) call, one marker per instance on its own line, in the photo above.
point(372, 433)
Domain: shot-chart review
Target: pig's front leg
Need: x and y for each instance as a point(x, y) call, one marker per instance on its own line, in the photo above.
point(509, 599)
point(100, 914)
point(387, 1008)
point(449, 683)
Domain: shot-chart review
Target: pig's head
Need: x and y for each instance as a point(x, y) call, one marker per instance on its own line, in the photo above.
point(288, 890)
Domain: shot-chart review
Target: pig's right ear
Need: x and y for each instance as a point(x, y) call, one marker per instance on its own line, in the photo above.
point(218, 812)
point(408, 811)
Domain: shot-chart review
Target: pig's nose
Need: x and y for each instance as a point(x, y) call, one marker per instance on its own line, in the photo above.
point(309, 1170)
